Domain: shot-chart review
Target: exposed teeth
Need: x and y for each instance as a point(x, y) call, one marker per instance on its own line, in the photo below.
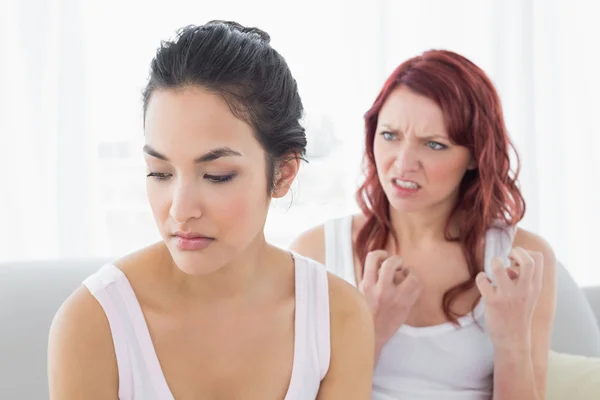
point(405, 184)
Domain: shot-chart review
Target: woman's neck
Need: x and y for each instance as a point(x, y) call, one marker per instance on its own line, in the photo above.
point(241, 281)
point(424, 227)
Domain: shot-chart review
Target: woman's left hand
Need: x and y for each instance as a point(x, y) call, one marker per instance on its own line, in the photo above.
point(509, 304)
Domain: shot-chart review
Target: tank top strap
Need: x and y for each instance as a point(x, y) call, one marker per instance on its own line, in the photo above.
point(140, 375)
point(339, 255)
point(498, 243)
point(312, 315)
point(97, 284)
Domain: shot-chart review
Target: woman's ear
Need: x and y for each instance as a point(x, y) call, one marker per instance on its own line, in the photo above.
point(285, 173)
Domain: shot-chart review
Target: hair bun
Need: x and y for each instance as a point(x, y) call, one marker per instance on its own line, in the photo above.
point(251, 31)
point(264, 36)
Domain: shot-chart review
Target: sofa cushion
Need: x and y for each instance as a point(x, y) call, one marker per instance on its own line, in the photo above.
point(575, 328)
point(573, 377)
point(30, 295)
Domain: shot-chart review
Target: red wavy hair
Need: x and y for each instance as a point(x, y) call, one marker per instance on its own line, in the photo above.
point(474, 119)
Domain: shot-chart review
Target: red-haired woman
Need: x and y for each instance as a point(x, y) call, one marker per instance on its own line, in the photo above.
point(463, 299)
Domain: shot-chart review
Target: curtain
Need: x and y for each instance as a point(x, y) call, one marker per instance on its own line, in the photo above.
point(72, 72)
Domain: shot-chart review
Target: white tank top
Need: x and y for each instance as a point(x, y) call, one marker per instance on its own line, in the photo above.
point(440, 362)
point(140, 374)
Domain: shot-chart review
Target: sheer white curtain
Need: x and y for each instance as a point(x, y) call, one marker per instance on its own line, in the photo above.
point(44, 204)
point(547, 65)
point(71, 74)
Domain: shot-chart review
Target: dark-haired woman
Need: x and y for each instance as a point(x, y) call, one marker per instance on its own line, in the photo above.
point(213, 311)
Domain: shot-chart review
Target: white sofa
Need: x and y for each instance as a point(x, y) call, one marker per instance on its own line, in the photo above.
point(31, 292)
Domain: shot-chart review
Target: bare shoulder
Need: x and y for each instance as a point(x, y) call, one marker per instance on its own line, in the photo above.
point(311, 243)
point(146, 257)
point(349, 313)
point(81, 356)
point(535, 243)
point(347, 305)
point(350, 370)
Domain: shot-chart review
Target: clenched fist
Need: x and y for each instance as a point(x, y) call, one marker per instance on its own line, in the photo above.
point(509, 304)
point(391, 290)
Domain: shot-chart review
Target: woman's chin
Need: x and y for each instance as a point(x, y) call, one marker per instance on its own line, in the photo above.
point(196, 263)
point(406, 205)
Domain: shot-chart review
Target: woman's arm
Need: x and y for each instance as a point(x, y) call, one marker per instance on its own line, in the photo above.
point(351, 367)
point(81, 356)
point(521, 363)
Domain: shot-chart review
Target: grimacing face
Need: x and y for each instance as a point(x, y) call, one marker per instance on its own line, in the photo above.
point(418, 166)
point(207, 178)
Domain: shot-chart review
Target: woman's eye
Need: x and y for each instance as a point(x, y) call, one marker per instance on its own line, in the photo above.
point(219, 178)
point(159, 176)
point(436, 145)
point(388, 135)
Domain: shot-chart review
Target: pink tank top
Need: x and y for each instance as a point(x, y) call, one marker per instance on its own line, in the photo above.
point(140, 374)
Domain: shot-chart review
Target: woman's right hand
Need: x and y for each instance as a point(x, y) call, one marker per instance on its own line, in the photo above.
point(391, 290)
